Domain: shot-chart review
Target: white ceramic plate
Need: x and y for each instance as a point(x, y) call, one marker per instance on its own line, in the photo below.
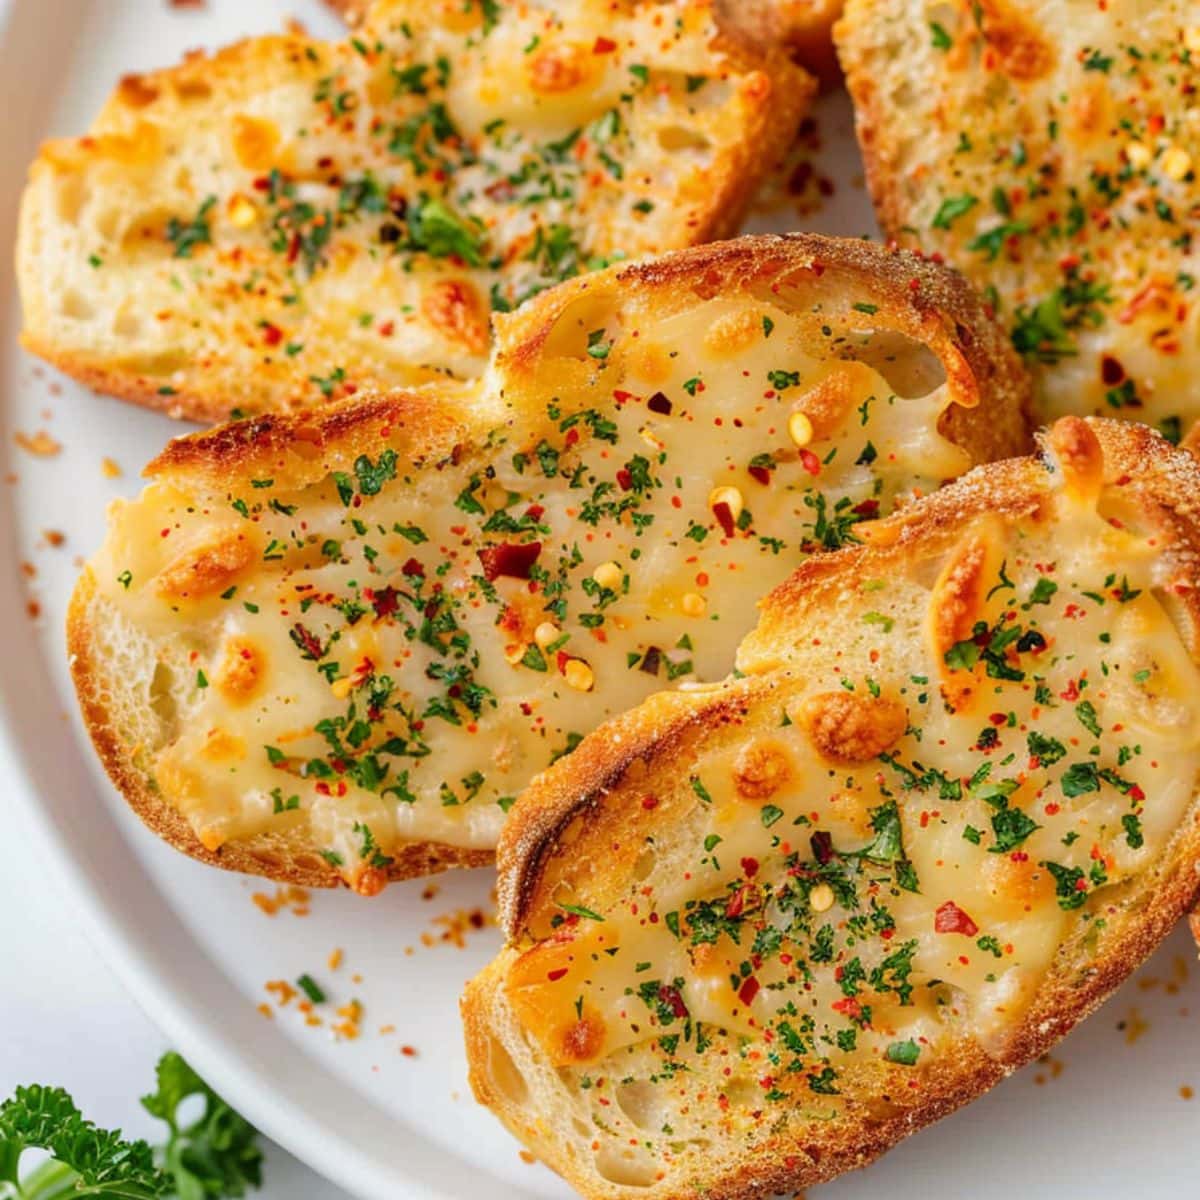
point(196, 952)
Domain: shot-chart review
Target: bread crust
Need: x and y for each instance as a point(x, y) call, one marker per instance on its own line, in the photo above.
point(773, 96)
point(940, 311)
point(587, 797)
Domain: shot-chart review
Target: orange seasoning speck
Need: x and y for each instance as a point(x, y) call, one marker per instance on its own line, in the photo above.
point(40, 444)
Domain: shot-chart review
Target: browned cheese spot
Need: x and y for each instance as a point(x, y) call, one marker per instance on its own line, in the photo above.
point(453, 308)
point(761, 769)
point(205, 572)
point(848, 728)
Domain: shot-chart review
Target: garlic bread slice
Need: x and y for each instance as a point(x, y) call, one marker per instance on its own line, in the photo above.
point(761, 931)
point(289, 221)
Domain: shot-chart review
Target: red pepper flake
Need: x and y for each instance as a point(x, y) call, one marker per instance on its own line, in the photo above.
point(951, 919)
point(624, 479)
point(760, 474)
point(1111, 371)
point(509, 559)
point(748, 990)
point(555, 975)
point(724, 515)
point(810, 462)
point(850, 1006)
point(413, 567)
point(671, 996)
point(659, 403)
point(604, 45)
point(272, 334)
point(649, 802)
point(749, 867)
point(308, 641)
point(386, 600)
point(822, 846)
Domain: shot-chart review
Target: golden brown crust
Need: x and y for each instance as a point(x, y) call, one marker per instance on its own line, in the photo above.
point(281, 858)
point(566, 808)
point(127, 385)
point(807, 28)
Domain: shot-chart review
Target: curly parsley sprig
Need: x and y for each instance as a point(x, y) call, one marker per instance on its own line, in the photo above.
point(214, 1155)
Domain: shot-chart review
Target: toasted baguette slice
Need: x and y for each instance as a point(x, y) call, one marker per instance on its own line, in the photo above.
point(336, 647)
point(290, 221)
point(760, 932)
point(1046, 150)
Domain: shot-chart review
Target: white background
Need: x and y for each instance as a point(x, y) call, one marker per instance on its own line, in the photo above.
point(65, 1020)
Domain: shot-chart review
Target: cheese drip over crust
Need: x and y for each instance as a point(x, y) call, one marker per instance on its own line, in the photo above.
point(862, 868)
point(388, 653)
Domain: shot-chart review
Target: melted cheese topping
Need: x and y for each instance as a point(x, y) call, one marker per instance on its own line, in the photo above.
point(329, 217)
point(1058, 170)
point(884, 855)
point(398, 649)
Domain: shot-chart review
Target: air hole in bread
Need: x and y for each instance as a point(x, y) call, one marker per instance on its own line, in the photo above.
point(624, 1167)
point(576, 324)
point(70, 194)
point(741, 1093)
point(925, 571)
point(163, 698)
point(911, 368)
point(646, 862)
point(677, 138)
point(268, 859)
point(1159, 688)
point(1126, 514)
point(74, 305)
point(640, 1100)
point(126, 324)
point(107, 223)
point(505, 1075)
